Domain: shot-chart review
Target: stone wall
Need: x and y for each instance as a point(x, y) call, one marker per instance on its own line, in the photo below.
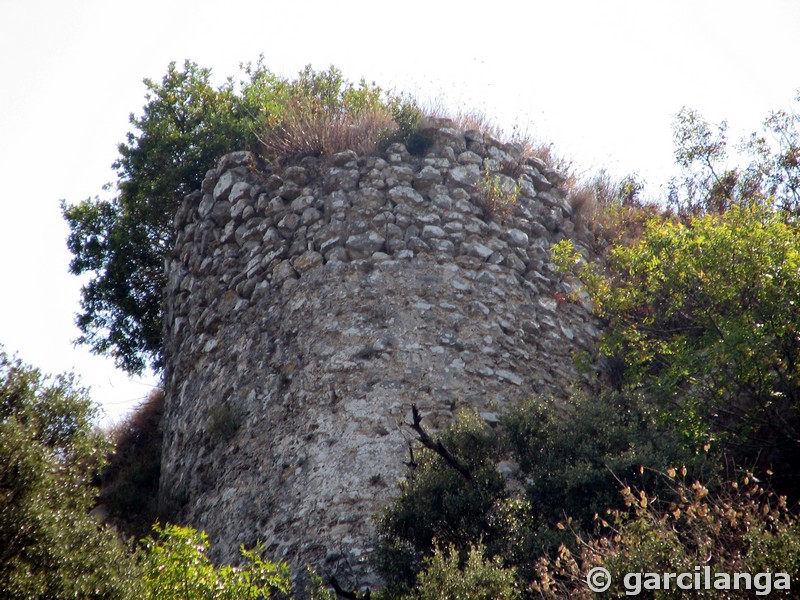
point(309, 305)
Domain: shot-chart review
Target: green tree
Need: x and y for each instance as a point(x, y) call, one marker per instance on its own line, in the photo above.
point(185, 126)
point(767, 173)
point(704, 313)
point(50, 546)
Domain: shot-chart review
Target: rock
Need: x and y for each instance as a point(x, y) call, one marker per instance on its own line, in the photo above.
point(469, 158)
point(477, 250)
point(509, 376)
point(224, 185)
point(289, 191)
point(341, 179)
point(432, 231)
point(297, 175)
point(347, 158)
point(307, 261)
point(517, 238)
point(240, 190)
point(220, 213)
point(236, 159)
point(364, 244)
point(426, 179)
point(310, 216)
point(283, 271)
point(464, 175)
point(405, 195)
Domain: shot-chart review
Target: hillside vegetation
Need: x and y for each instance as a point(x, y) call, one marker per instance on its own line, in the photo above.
point(686, 455)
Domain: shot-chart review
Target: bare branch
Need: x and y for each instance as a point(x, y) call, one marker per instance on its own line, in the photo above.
point(437, 446)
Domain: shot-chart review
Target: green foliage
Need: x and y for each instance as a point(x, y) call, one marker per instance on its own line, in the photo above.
point(438, 503)
point(50, 547)
point(176, 566)
point(560, 464)
point(121, 242)
point(704, 313)
point(408, 119)
point(445, 578)
point(575, 459)
point(498, 194)
point(185, 125)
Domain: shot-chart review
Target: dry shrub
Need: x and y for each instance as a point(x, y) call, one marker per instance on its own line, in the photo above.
point(531, 147)
point(316, 131)
point(612, 211)
point(129, 484)
point(462, 119)
point(739, 528)
point(526, 144)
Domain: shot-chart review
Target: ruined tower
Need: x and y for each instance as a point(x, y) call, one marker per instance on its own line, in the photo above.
point(309, 305)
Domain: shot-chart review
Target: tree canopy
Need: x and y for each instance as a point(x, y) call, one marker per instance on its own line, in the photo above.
point(185, 125)
point(50, 546)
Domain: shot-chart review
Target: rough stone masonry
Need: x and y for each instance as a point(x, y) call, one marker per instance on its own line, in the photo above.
point(309, 305)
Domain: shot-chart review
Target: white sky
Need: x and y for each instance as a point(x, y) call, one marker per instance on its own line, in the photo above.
point(602, 80)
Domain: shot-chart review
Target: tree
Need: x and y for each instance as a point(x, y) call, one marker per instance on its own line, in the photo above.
point(185, 126)
point(771, 176)
point(50, 546)
point(122, 242)
point(775, 160)
point(702, 306)
point(704, 314)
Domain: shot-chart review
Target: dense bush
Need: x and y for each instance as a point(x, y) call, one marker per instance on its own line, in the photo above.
point(740, 528)
point(175, 566)
point(446, 576)
point(704, 314)
point(50, 546)
point(558, 465)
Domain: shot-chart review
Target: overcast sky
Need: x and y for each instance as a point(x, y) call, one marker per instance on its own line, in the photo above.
point(602, 80)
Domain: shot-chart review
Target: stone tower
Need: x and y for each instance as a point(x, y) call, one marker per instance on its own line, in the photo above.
point(309, 305)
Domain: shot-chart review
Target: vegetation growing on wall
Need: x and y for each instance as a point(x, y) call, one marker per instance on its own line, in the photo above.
point(700, 296)
point(186, 124)
point(699, 301)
